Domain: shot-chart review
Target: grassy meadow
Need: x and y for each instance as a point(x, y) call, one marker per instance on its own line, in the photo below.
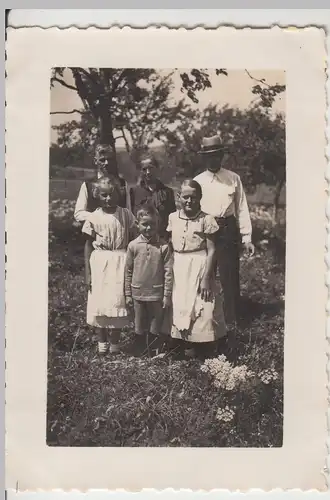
point(233, 399)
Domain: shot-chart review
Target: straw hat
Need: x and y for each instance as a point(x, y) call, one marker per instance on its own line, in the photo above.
point(212, 145)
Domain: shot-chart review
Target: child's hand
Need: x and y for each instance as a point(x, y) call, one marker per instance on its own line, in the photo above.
point(129, 302)
point(166, 302)
point(205, 290)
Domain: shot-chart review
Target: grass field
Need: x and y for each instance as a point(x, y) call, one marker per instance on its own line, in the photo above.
point(235, 401)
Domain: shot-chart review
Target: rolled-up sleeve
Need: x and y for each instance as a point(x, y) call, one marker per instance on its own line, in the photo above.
point(80, 212)
point(210, 225)
point(168, 271)
point(169, 225)
point(243, 213)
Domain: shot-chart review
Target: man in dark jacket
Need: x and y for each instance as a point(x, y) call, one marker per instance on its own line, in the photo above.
point(150, 189)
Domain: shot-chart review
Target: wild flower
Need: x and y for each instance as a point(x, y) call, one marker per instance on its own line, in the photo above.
point(260, 213)
point(225, 414)
point(61, 210)
point(268, 375)
point(224, 374)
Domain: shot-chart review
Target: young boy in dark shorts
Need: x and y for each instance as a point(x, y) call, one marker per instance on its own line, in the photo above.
point(148, 279)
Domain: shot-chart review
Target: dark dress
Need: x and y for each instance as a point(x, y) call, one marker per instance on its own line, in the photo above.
point(163, 199)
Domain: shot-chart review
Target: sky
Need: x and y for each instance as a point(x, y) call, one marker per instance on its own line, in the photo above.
point(234, 90)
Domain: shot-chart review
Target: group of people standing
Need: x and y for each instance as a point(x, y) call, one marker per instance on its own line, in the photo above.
point(153, 258)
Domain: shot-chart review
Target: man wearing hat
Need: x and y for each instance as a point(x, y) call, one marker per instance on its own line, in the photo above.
point(223, 197)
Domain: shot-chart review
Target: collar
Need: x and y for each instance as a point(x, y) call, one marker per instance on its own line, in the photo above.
point(214, 174)
point(100, 209)
point(143, 239)
point(183, 216)
point(158, 184)
point(222, 175)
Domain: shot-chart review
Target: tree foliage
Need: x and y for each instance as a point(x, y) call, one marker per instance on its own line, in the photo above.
point(139, 111)
point(135, 105)
point(102, 89)
point(199, 79)
point(151, 117)
point(256, 144)
point(136, 101)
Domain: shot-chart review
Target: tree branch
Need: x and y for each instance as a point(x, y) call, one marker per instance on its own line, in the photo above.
point(68, 112)
point(125, 140)
point(91, 78)
point(84, 93)
point(118, 80)
point(152, 99)
point(63, 83)
point(263, 82)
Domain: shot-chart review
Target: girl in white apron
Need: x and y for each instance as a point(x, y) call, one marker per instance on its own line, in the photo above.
point(197, 310)
point(109, 230)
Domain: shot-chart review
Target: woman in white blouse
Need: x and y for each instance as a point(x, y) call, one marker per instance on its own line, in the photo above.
point(105, 164)
point(223, 197)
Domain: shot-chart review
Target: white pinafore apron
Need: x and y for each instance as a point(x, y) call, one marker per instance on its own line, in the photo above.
point(194, 319)
point(106, 302)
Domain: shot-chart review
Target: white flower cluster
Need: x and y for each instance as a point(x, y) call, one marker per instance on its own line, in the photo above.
point(225, 414)
point(259, 212)
point(268, 375)
point(61, 209)
point(225, 375)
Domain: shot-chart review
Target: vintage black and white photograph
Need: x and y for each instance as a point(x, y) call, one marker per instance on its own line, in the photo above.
point(167, 224)
point(165, 291)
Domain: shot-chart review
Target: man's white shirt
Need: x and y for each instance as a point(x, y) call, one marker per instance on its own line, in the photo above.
point(223, 195)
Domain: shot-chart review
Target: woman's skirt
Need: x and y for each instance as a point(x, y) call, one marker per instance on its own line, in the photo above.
point(106, 307)
point(194, 319)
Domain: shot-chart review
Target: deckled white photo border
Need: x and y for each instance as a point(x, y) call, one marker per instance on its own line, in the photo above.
point(30, 463)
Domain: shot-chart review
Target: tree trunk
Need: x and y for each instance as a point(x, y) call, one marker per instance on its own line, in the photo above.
point(106, 130)
point(276, 202)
